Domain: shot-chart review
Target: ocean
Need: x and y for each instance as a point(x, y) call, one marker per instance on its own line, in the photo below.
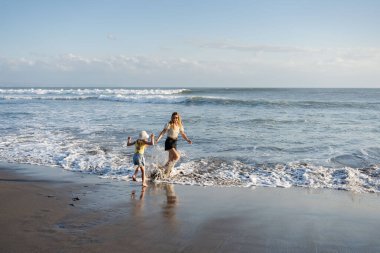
point(314, 138)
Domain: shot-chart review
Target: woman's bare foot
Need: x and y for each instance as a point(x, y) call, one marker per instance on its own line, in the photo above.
point(168, 169)
point(134, 178)
point(144, 184)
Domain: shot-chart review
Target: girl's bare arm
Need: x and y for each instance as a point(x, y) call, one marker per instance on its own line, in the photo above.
point(151, 142)
point(129, 143)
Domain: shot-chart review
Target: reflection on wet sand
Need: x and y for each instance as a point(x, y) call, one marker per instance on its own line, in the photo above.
point(169, 209)
point(169, 205)
point(138, 207)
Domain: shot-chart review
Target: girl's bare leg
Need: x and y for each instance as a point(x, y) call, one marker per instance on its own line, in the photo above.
point(143, 176)
point(135, 174)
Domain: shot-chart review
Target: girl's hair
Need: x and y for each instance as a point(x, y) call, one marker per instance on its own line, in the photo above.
point(171, 122)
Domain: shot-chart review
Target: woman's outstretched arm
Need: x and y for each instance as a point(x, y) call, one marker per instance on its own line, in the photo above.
point(186, 138)
point(161, 134)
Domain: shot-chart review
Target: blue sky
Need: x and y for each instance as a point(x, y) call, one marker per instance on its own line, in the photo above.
point(190, 43)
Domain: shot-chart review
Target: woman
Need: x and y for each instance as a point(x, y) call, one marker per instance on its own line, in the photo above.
point(173, 128)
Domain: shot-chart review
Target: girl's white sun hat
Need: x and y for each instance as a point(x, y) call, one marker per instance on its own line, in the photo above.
point(143, 135)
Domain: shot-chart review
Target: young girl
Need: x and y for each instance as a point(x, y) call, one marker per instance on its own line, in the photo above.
point(138, 157)
point(173, 129)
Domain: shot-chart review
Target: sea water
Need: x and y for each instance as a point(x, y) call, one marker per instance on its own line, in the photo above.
point(318, 138)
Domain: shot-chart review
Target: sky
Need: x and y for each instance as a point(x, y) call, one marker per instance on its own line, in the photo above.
point(197, 43)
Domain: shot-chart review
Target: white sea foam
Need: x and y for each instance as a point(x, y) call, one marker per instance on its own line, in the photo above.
point(144, 99)
point(81, 92)
point(61, 149)
point(223, 173)
point(118, 95)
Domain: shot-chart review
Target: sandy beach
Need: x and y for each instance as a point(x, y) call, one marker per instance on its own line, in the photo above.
point(50, 210)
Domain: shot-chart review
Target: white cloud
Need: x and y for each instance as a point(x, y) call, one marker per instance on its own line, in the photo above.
point(111, 37)
point(274, 66)
point(252, 48)
point(327, 57)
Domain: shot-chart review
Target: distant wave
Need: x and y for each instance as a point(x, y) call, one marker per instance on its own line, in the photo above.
point(172, 96)
point(91, 92)
point(120, 95)
point(157, 99)
point(264, 121)
point(280, 103)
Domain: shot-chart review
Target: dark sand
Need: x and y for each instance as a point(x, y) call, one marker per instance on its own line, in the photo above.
point(40, 212)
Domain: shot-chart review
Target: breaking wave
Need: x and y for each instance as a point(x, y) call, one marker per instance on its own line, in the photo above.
point(90, 92)
point(171, 96)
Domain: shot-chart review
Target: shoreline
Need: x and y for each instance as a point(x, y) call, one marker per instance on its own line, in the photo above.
point(53, 210)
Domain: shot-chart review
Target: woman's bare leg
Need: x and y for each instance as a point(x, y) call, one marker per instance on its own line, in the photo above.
point(173, 158)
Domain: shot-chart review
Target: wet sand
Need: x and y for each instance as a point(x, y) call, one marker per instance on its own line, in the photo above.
point(50, 210)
